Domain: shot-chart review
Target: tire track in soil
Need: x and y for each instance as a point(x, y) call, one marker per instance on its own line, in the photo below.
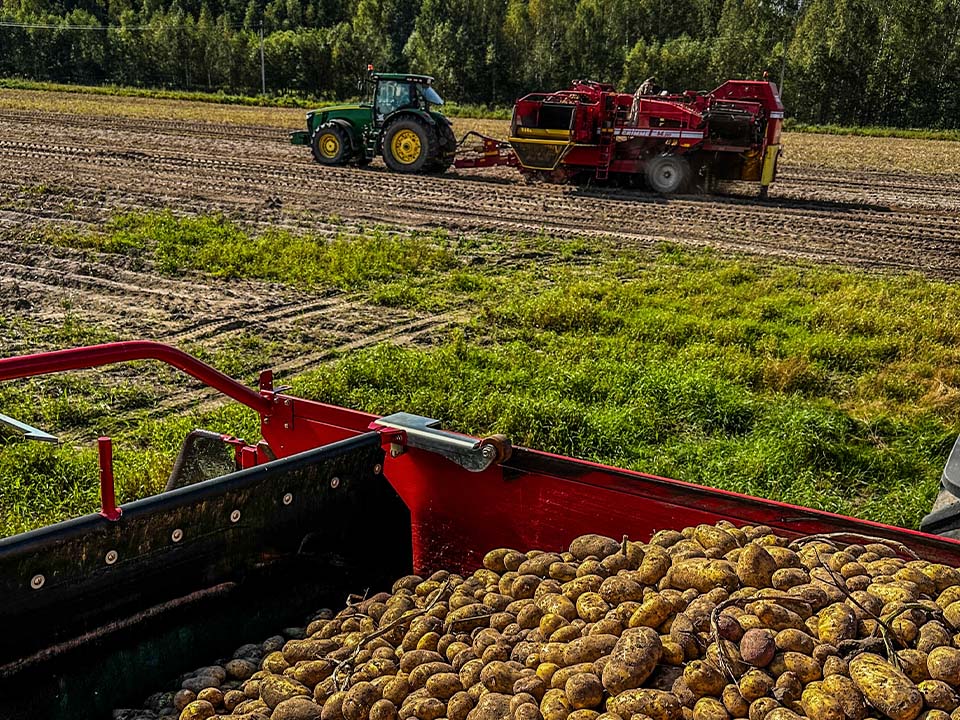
point(98, 165)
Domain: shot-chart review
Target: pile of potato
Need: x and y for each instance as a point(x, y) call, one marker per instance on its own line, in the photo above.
point(712, 623)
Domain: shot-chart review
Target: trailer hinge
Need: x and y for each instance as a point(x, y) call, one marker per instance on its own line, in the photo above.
point(422, 433)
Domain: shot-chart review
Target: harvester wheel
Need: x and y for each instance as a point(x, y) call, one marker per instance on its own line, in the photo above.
point(448, 149)
point(409, 145)
point(668, 174)
point(330, 145)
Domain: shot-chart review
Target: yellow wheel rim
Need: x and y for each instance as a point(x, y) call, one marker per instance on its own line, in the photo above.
point(406, 147)
point(329, 145)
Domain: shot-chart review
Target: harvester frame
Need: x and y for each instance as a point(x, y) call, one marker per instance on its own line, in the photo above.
point(100, 610)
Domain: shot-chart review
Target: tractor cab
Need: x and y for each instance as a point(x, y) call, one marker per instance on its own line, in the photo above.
point(388, 93)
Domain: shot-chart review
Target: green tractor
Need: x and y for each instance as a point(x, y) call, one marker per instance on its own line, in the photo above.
point(394, 120)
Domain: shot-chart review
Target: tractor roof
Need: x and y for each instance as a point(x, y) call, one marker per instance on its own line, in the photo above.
point(425, 79)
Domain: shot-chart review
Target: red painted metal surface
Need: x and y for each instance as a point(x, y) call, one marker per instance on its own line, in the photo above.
point(534, 500)
point(490, 152)
point(108, 499)
point(97, 355)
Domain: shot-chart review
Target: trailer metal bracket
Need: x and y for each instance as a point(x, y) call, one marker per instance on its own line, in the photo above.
point(467, 452)
point(29, 432)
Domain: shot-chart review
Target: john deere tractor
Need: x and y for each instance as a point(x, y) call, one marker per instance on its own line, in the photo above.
point(395, 119)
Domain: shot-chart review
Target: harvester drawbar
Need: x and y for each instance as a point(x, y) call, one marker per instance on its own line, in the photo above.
point(588, 132)
point(249, 537)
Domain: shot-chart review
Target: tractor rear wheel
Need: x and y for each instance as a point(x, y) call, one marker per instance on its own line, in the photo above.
point(410, 145)
point(448, 149)
point(330, 145)
point(667, 174)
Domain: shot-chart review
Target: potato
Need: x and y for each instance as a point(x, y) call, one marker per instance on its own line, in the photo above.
point(598, 546)
point(591, 607)
point(788, 689)
point(943, 663)
point(754, 684)
point(653, 611)
point(708, 708)
point(735, 704)
point(775, 616)
point(757, 647)
point(632, 660)
point(818, 705)
point(703, 575)
point(755, 566)
point(846, 693)
point(554, 706)
point(793, 640)
point(358, 701)
point(559, 679)
point(835, 665)
point(805, 667)
point(274, 689)
point(786, 578)
point(885, 687)
point(445, 685)
point(617, 589)
point(914, 664)
point(938, 695)
point(836, 623)
point(656, 704)
point(762, 707)
point(584, 690)
point(933, 634)
point(198, 710)
point(589, 648)
point(782, 713)
point(943, 576)
point(656, 562)
point(703, 678)
point(556, 604)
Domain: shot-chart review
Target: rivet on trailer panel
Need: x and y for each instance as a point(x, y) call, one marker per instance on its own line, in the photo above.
point(234, 516)
point(287, 498)
point(111, 557)
point(37, 581)
point(177, 535)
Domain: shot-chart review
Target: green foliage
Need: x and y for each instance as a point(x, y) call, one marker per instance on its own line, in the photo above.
point(860, 62)
point(219, 247)
point(823, 387)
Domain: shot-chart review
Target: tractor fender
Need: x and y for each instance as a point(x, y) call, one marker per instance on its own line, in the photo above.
point(407, 112)
point(348, 126)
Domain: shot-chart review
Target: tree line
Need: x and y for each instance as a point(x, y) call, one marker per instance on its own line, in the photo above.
point(852, 62)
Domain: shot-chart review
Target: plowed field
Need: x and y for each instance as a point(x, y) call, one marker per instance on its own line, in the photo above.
point(58, 168)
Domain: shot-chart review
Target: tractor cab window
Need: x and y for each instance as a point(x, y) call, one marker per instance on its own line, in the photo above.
point(393, 95)
point(430, 95)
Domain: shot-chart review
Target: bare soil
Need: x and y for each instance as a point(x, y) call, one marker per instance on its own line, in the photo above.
point(79, 169)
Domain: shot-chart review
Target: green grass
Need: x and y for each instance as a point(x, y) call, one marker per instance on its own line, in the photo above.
point(823, 387)
point(221, 248)
point(283, 100)
point(792, 125)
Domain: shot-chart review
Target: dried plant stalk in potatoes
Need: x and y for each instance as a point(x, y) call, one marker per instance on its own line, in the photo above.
point(706, 623)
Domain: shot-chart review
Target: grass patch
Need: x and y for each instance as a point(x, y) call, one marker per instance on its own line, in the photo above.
point(881, 132)
point(822, 387)
point(221, 248)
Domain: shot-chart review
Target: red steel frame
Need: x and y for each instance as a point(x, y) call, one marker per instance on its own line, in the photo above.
point(533, 500)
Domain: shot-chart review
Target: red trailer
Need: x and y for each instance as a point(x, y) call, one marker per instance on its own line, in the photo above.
point(591, 131)
point(100, 610)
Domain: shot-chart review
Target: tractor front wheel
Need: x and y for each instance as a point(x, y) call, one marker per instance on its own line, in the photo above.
point(409, 145)
point(330, 145)
point(668, 174)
